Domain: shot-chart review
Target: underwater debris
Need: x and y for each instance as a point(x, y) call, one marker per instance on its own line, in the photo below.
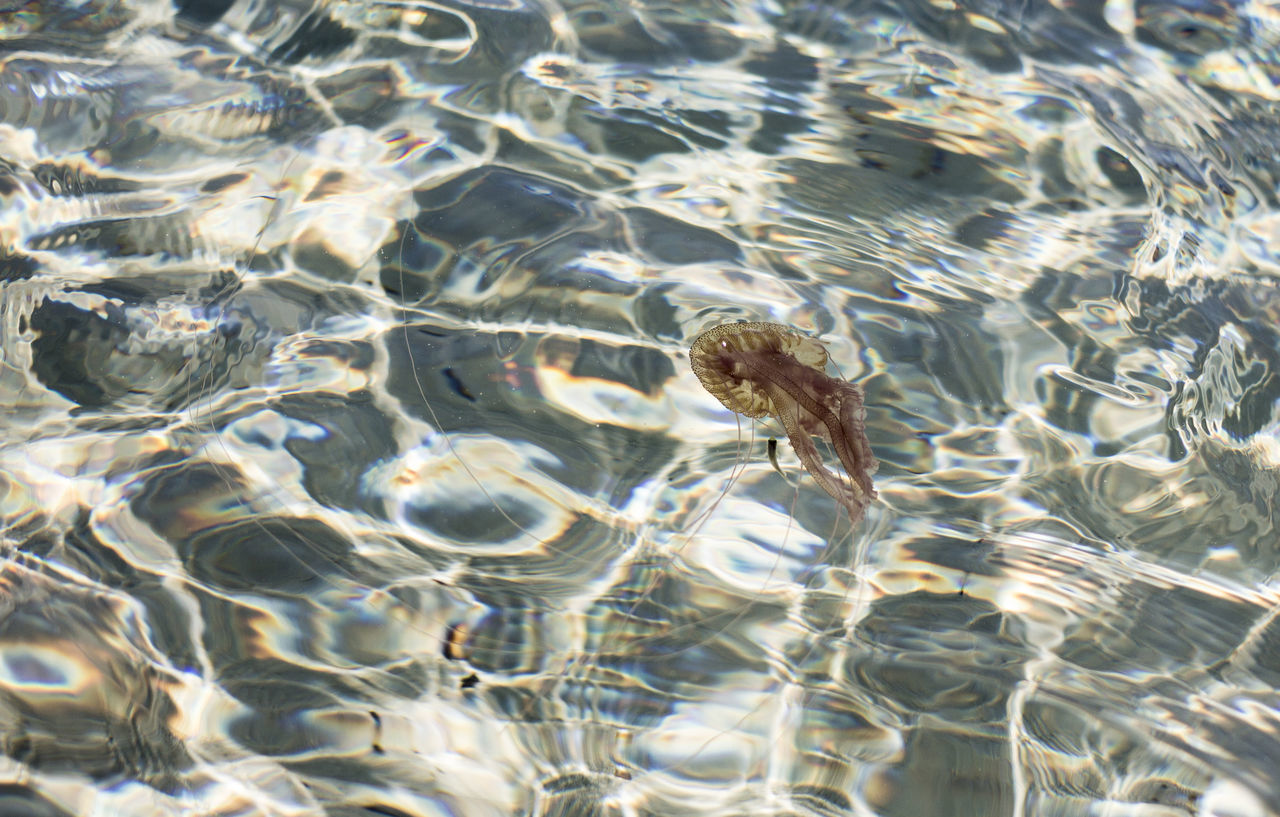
point(766, 369)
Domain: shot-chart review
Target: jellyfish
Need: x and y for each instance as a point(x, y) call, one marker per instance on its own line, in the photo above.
point(766, 369)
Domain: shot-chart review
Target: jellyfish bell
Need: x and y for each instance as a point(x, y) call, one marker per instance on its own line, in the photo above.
point(770, 370)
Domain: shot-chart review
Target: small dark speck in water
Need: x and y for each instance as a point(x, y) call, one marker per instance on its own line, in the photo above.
point(458, 385)
point(377, 732)
point(223, 182)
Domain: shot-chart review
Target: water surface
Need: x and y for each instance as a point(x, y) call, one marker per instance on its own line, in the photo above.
point(353, 463)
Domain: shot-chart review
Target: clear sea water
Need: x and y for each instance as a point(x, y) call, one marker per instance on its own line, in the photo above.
point(351, 461)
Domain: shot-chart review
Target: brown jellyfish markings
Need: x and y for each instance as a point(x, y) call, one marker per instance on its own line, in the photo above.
point(766, 369)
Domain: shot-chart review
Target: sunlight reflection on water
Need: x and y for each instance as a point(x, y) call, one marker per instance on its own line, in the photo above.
point(353, 461)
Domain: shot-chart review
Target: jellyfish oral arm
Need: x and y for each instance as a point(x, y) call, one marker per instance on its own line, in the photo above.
point(801, 422)
point(810, 402)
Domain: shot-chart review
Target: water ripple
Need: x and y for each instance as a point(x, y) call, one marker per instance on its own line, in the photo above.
point(354, 463)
